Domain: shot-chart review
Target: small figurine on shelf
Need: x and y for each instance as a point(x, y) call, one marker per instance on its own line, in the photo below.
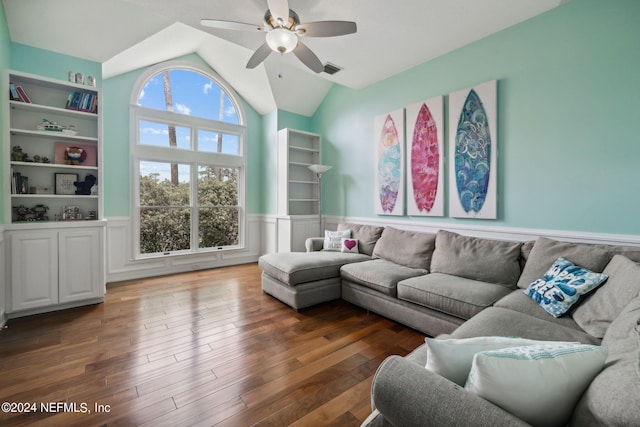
point(17, 155)
point(39, 211)
point(74, 155)
point(22, 213)
point(37, 159)
point(84, 187)
point(50, 126)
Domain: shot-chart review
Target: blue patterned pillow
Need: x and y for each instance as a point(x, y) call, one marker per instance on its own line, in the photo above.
point(562, 285)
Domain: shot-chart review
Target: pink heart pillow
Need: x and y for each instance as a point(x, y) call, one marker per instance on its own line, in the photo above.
point(349, 245)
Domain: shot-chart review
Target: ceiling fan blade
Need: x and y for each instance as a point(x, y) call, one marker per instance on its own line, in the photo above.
point(230, 25)
point(259, 55)
point(279, 9)
point(326, 28)
point(308, 58)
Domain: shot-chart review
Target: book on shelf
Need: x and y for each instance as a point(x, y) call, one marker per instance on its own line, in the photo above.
point(17, 93)
point(19, 183)
point(82, 101)
point(13, 93)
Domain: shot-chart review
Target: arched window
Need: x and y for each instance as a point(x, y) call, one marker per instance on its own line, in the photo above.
point(188, 138)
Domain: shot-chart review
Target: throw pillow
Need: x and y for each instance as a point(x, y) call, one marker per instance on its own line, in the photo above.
point(604, 305)
point(333, 239)
point(562, 285)
point(540, 384)
point(349, 245)
point(545, 251)
point(452, 358)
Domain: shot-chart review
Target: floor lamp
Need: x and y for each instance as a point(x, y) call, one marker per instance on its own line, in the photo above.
point(319, 170)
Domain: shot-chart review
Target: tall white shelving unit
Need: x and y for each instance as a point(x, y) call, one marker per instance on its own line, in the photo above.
point(298, 197)
point(52, 264)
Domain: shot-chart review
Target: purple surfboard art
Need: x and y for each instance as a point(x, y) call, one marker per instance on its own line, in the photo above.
point(425, 160)
point(389, 166)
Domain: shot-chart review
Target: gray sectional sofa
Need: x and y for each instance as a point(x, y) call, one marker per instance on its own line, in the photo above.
point(451, 286)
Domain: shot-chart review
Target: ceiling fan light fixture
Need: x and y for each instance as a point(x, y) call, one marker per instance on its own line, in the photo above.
point(282, 40)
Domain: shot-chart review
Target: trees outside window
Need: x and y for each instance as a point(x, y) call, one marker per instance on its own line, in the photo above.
point(189, 164)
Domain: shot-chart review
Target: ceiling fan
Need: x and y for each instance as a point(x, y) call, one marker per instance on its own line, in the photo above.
point(284, 29)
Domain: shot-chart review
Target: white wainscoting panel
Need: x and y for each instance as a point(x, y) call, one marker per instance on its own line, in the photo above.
point(3, 281)
point(121, 264)
point(490, 232)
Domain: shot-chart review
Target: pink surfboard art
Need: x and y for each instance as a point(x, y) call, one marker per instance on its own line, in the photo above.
point(425, 160)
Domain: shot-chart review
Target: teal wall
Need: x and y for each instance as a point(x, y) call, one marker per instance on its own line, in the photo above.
point(269, 164)
point(117, 171)
point(5, 55)
point(568, 103)
point(51, 64)
point(290, 120)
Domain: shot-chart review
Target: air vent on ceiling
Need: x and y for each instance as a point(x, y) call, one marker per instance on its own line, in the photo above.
point(329, 68)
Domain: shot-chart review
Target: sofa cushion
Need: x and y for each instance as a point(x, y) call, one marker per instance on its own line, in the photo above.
point(519, 301)
point(606, 303)
point(612, 397)
point(540, 384)
point(562, 286)
point(525, 251)
point(379, 274)
point(453, 295)
point(452, 358)
point(292, 268)
point(409, 248)
point(498, 321)
point(546, 251)
point(486, 260)
point(366, 235)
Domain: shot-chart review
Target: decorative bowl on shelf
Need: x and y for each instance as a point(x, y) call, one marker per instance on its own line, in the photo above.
point(69, 132)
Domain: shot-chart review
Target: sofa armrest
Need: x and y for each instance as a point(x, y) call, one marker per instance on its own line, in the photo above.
point(314, 244)
point(407, 394)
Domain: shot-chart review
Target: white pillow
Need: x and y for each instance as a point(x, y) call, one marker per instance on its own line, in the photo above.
point(333, 239)
point(540, 384)
point(452, 358)
point(349, 245)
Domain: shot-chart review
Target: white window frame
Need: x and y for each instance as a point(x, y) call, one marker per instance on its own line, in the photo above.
point(140, 152)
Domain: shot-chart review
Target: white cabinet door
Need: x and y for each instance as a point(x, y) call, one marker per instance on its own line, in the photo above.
point(80, 267)
point(34, 269)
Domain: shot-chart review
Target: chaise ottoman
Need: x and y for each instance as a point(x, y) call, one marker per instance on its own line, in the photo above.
point(303, 279)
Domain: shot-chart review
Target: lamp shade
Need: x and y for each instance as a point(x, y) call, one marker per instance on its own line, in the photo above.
point(319, 168)
point(282, 40)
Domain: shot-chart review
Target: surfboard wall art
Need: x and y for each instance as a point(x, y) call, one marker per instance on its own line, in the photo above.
point(473, 147)
point(389, 187)
point(425, 158)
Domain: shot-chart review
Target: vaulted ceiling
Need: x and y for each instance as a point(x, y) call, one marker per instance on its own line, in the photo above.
point(125, 35)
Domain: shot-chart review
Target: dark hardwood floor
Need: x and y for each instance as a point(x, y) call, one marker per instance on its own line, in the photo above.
point(204, 348)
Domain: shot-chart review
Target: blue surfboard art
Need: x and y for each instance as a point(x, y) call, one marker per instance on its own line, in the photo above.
point(473, 154)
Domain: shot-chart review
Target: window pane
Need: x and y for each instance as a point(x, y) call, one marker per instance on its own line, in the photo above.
point(218, 227)
point(164, 230)
point(164, 135)
point(190, 93)
point(217, 142)
point(217, 186)
point(164, 184)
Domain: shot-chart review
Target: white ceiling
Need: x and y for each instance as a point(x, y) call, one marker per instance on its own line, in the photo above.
point(125, 35)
